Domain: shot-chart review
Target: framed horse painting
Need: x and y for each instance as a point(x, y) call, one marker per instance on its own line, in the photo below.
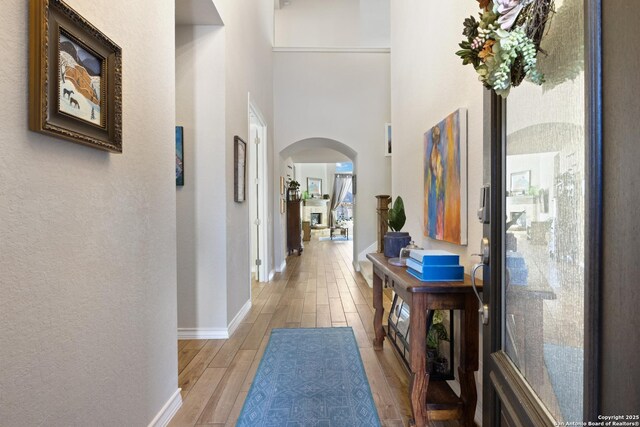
point(75, 78)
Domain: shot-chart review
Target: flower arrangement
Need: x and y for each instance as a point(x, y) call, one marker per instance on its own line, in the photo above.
point(504, 43)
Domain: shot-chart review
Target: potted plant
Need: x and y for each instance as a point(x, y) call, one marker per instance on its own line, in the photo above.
point(437, 333)
point(294, 190)
point(396, 239)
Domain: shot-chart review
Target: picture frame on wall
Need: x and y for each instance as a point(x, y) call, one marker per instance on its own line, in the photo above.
point(240, 169)
point(388, 148)
point(75, 78)
point(520, 183)
point(283, 205)
point(314, 187)
point(282, 187)
point(179, 156)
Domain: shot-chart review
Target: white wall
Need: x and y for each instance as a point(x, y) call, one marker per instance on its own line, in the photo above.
point(428, 82)
point(88, 239)
point(312, 170)
point(249, 66)
point(333, 23)
point(344, 97)
point(201, 216)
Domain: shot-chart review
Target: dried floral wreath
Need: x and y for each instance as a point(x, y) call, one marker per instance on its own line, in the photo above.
point(503, 45)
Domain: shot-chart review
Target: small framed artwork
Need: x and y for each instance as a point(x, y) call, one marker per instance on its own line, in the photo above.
point(520, 183)
point(240, 169)
point(179, 156)
point(283, 205)
point(75, 78)
point(282, 186)
point(314, 187)
point(387, 139)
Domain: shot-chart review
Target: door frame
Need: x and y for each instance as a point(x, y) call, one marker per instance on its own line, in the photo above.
point(263, 270)
point(505, 391)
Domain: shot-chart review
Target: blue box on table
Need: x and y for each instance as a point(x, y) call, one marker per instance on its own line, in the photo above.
point(435, 273)
point(434, 257)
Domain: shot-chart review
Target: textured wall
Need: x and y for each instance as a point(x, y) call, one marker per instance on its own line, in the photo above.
point(248, 63)
point(345, 97)
point(200, 203)
point(87, 239)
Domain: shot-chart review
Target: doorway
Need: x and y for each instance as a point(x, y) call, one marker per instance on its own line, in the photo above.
point(258, 195)
point(538, 351)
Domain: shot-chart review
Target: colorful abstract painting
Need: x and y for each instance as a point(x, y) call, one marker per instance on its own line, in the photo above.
point(445, 179)
point(179, 156)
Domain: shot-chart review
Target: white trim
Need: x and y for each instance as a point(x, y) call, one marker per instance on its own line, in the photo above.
point(334, 49)
point(282, 266)
point(203, 333)
point(167, 412)
point(272, 273)
point(233, 325)
point(262, 179)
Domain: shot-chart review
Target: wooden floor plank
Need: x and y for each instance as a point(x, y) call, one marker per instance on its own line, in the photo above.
point(337, 314)
point(224, 397)
point(198, 364)
point(200, 394)
point(308, 320)
point(190, 349)
point(309, 302)
point(295, 311)
point(231, 346)
point(255, 335)
point(323, 316)
point(318, 289)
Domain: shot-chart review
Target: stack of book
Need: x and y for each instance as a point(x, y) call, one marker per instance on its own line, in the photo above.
point(435, 266)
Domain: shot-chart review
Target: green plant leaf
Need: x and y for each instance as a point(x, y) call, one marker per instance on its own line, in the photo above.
point(397, 217)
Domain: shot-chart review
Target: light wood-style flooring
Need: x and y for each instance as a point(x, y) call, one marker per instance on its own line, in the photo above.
point(318, 289)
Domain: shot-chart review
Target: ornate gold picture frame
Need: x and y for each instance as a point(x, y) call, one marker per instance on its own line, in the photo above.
point(75, 78)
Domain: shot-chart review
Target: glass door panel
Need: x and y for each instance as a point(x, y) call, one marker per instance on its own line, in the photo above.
point(544, 210)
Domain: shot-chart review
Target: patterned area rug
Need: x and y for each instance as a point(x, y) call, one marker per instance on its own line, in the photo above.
point(310, 378)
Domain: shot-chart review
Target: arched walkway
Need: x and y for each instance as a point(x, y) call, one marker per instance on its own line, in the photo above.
point(318, 150)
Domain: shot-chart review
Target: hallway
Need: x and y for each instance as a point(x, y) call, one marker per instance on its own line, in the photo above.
point(318, 289)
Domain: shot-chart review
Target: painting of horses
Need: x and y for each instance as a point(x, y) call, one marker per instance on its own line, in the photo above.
point(80, 78)
point(445, 179)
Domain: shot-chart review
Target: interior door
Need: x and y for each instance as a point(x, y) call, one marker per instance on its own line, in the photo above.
point(538, 145)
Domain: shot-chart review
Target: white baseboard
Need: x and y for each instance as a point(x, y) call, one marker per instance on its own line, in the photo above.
point(271, 274)
point(282, 266)
point(233, 325)
point(203, 333)
point(356, 265)
point(168, 411)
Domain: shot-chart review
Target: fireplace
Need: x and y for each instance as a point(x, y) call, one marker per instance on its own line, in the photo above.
point(316, 219)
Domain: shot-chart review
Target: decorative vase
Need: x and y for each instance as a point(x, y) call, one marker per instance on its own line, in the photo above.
point(394, 241)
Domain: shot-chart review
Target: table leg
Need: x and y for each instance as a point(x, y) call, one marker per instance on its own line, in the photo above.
point(377, 317)
point(468, 359)
point(418, 359)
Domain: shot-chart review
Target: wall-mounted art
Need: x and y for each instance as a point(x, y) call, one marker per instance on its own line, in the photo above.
point(445, 179)
point(283, 205)
point(240, 169)
point(75, 78)
point(520, 183)
point(282, 186)
point(387, 139)
point(314, 187)
point(179, 156)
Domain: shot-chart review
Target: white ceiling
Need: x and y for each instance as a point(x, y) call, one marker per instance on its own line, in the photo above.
point(197, 12)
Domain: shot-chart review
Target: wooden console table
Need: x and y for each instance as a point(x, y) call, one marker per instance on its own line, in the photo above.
point(435, 401)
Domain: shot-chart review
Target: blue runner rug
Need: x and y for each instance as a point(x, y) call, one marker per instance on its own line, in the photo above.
point(310, 378)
